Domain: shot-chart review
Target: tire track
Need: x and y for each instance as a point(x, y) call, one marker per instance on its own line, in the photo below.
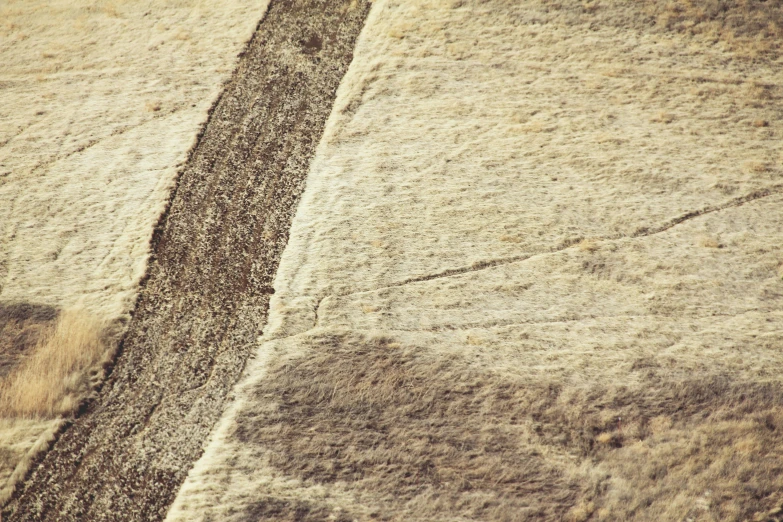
point(206, 295)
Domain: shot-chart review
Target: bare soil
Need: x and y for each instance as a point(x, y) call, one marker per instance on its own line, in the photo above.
point(205, 298)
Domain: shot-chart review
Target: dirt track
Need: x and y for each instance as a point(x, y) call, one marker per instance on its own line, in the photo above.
point(205, 299)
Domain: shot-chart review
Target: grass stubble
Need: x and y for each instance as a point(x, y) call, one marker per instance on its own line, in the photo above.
point(411, 434)
point(432, 437)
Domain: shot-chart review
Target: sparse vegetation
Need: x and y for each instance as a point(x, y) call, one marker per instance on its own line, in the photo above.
point(527, 373)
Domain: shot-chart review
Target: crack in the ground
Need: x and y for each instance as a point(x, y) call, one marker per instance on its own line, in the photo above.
point(503, 324)
point(736, 202)
point(639, 233)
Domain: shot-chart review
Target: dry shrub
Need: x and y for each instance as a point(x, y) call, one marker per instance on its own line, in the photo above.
point(588, 245)
point(430, 436)
point(756, 167)
point(63, 368)
point(709, 242)
point(663, 117)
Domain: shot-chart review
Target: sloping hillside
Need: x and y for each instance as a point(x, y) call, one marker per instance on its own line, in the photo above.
point(536, 271)
point(535, 274)
point(100, 102)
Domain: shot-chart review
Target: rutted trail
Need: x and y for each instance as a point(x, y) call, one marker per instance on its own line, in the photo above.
point(205, 298)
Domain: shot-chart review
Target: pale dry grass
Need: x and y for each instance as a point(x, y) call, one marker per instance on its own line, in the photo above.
point(80, 194)
point(20, 441)
point(62, 370)
point(101, 102)
point(55, 375)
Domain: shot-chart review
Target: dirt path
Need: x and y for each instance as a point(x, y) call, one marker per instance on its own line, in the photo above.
point(206, 297)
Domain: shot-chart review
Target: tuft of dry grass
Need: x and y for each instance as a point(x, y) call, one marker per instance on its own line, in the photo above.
point(431, 436)
point(588, 245)
point(757, 167)
point(710, 242)
point(62, 369)
point(663, 117)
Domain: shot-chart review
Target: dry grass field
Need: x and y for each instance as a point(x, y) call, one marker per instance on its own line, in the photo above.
point(101, 103)
point(535, 275)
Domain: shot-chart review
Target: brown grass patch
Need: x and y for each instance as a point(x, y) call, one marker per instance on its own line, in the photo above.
point(429, 436)
point(423, 433)
point(749, 27)
point(62, 369)
point(22, 326)
point(757, 167)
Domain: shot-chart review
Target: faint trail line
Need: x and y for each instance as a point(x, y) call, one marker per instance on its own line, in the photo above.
point(506, 324)
point(639, 233)
point(736, 202)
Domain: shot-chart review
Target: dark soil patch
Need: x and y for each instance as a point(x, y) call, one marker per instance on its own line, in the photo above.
point(205, 299)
